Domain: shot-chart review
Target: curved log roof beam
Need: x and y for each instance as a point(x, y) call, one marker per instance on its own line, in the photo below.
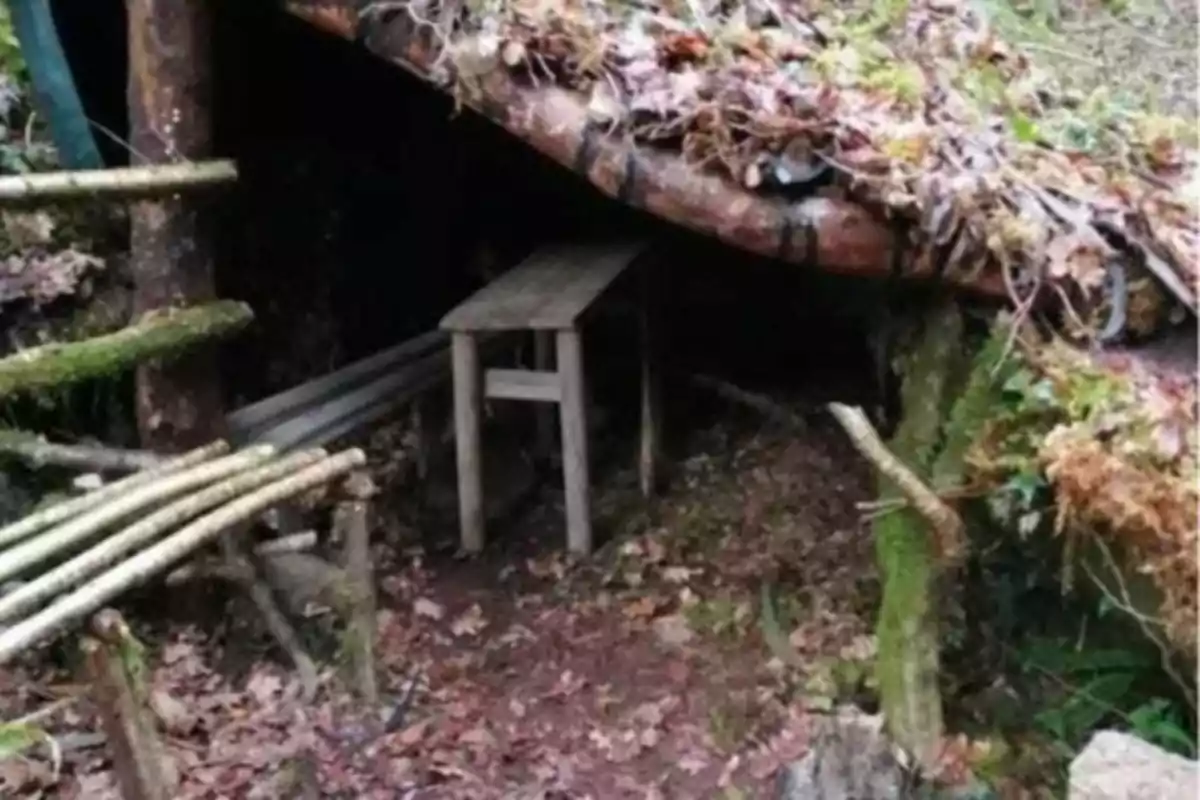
point(825, 233)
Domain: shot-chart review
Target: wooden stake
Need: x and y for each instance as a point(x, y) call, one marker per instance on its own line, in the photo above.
point(114, 665)
point(178, 404)
point(360, 635)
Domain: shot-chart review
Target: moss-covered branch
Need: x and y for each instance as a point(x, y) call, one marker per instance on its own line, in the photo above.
point(157, 336)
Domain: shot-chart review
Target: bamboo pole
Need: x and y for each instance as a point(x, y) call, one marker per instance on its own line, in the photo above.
point(60, 512)
point(117, 182)
point(156, 336)
point(163, 554)
point(110, 550)
point(15, 561)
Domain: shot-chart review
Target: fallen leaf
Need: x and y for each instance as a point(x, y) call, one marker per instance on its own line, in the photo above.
point(424, 607)
point(643, 607)
point(673, 630)
point(173, 714)
point(470, 623)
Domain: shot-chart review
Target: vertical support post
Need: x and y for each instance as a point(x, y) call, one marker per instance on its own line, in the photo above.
point(114, 662)
point(468, 407)
point(360, 633)
point(573, 413)
point(648, 451)
point(543, 361)
point(178, 403)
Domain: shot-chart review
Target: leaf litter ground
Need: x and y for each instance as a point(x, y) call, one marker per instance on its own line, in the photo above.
point(642, 673)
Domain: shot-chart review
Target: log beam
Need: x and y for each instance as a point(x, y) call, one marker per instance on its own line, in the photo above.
point(178, 404)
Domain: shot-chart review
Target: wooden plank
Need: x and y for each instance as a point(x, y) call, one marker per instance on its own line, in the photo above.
point(522, 384)
point(549, 291)
point(291, 402)
point(468, 407)
point(573, 415)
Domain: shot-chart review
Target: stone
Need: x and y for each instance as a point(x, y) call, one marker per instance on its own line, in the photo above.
point(851, 757)
point(1118, 766)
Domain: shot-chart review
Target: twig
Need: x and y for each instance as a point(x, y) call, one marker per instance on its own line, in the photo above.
point(760, 403)
point(39, 452)
point(1146, 623)
point(947, 525)
point(163, 554)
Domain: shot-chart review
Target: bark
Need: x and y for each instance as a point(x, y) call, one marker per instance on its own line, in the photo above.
point(178, 404)
point(828, 234)
point(116, 669)
point(159, 336)
point(359, 643)
point(60, 512)
point(58, 540)
point(159, 557)
point(38, 452)
point(118, 182)
point(113, 548)
point(907, 628)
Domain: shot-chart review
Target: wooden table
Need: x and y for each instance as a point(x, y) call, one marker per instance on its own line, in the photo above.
point(547, 294)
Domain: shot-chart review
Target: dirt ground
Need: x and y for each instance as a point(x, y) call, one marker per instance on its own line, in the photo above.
point(642, 673)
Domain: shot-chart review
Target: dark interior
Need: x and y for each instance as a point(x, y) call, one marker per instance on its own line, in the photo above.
point(366, 209)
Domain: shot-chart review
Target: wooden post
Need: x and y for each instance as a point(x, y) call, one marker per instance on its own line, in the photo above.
point(468, 407)
point(360, 628)
point(543, 361)
point(114, 664)
point(178, 404)
point(651, 405)
point(573, 413)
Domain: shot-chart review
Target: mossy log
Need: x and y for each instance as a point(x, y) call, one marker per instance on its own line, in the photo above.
point(947, 394)
point(159, 335)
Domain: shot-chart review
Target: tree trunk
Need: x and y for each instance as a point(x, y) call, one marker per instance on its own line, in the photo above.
point(178, 404)
point(947, 395)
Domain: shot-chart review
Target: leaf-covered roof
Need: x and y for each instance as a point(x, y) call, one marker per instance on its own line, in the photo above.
point(916, 110)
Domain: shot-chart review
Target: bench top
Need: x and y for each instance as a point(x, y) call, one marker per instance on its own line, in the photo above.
point(547, 291)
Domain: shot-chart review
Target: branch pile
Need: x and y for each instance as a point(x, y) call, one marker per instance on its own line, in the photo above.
point(915, 111)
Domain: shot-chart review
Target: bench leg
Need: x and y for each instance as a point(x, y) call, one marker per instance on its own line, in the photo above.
point(543, 361)
point(468, 406)
point(651, 399)
point(573, 413)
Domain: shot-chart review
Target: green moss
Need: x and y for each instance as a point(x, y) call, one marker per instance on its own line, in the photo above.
point(157, 337)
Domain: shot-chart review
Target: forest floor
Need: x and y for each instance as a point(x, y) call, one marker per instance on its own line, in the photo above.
point(641, 673)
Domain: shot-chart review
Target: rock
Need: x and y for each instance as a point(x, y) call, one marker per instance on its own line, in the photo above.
point(1118, 766)
point(851, 756)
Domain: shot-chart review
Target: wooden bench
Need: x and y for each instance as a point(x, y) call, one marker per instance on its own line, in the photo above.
point(547, 294)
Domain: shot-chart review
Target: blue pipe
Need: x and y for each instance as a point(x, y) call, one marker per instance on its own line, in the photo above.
point(54, 90)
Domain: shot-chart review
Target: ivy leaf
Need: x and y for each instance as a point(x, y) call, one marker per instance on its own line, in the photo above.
point(1024, 128)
